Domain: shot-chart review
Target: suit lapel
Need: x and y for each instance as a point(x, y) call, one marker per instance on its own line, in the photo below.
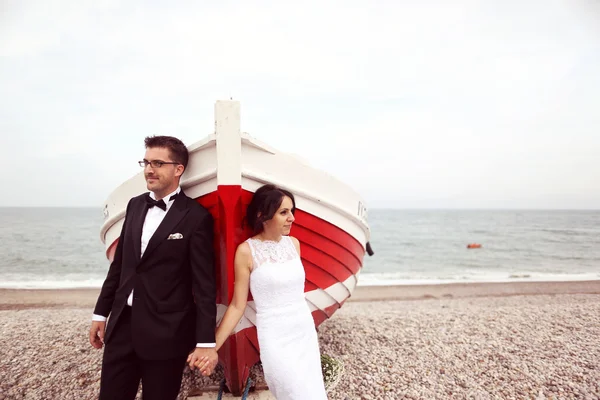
point(137, 226)
point(175, 214)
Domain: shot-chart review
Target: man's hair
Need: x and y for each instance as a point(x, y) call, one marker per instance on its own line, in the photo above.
point(177, 149)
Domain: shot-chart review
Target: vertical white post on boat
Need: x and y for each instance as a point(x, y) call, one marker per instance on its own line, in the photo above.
point(228, 142)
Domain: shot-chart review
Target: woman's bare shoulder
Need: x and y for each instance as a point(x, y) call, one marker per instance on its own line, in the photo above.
point(243, 249)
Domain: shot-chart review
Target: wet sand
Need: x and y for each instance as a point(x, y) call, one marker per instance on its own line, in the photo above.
point(18, 299)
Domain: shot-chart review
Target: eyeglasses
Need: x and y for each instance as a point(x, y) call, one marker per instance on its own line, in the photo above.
point(155, 163)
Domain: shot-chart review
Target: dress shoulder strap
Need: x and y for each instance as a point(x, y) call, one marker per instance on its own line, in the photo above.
point(252, 251)
point(291, 245)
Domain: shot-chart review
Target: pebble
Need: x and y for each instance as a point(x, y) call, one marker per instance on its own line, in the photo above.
point(540, 347)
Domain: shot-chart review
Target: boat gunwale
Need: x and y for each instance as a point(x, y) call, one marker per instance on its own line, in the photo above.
point(211, 174)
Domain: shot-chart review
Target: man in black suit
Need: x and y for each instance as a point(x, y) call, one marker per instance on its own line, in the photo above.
point(160, 291)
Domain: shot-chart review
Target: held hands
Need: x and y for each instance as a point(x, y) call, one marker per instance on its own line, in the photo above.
point(97, 334)
point(205, 359)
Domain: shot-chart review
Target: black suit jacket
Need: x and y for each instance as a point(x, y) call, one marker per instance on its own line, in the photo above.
point(174, 304)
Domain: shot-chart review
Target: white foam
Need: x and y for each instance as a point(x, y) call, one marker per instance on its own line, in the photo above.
point(364, 279)
point(52, 284)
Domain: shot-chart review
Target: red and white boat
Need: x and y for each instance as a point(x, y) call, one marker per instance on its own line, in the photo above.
point(224, 169)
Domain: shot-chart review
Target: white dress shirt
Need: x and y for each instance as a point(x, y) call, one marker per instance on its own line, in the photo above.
point(153, 219)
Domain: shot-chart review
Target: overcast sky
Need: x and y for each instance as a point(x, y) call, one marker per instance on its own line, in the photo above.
point(435, 104)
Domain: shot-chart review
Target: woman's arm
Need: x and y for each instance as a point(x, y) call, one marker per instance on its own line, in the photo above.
point(235, 311)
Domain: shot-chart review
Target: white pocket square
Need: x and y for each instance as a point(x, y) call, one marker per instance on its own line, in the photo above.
point(173, 236)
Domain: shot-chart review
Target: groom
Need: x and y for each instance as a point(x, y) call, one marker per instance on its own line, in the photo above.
point(160, 291)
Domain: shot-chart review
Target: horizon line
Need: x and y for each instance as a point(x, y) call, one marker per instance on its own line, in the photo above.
point(380, 208)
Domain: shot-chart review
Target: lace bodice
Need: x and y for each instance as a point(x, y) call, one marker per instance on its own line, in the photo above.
point(277, 277)
point(271, 251)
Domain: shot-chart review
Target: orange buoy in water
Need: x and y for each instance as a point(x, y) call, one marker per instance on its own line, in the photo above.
point(473, 246)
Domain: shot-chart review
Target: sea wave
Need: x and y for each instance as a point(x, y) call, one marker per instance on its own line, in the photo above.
point(51, 284)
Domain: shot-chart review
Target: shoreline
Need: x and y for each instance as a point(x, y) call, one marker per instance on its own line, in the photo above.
point(19, 299)
point(472, 289)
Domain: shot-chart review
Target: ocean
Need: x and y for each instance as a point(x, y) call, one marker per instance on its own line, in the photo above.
point(61, 247)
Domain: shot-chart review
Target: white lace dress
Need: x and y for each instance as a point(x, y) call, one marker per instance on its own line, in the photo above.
point(289, 348)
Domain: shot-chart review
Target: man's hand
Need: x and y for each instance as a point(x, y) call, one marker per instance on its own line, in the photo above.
point(97, 334)
point(205, 359)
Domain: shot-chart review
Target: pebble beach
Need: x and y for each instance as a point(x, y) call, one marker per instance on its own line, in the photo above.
point(504, 341)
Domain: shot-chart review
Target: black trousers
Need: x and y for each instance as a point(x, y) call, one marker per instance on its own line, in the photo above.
point(122, 369)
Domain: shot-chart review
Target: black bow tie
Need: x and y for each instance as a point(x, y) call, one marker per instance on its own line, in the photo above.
point(158, 203)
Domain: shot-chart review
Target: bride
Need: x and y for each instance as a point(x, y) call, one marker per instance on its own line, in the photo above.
point(268, 264)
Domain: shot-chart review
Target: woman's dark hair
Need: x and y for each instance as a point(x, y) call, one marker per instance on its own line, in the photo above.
point(264, 204)
point(179, 153)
